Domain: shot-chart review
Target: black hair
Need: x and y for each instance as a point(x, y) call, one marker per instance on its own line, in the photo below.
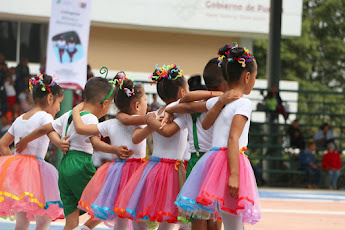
point(96, 89)
point(39, 95)
point(213, 75)
point(121, 99)
point(167, 89)
point(232, 70)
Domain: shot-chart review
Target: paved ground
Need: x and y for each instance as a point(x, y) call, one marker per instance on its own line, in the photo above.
point(282, 209)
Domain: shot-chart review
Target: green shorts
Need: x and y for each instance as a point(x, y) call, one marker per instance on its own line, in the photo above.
point(75, 172)
point(194, 158)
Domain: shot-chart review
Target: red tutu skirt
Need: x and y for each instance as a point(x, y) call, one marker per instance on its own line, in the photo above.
point(151, 192)
point(29, 185)
point(206, 191)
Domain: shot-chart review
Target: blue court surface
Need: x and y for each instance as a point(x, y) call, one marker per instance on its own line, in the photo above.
point(275, 194)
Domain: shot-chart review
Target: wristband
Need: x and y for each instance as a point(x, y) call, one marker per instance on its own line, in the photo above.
point(211, 94)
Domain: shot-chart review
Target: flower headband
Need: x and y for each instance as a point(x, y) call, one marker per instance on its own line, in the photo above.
point(227, 53)
point(122, 76)
point(39, 80)
point(163, 72)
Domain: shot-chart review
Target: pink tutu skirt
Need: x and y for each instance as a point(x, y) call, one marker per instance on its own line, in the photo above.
point(206, 191)
point(101, 193)
point(29, 185)
point(151, 192)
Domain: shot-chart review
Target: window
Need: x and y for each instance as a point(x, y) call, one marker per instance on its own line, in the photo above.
point(32, 42)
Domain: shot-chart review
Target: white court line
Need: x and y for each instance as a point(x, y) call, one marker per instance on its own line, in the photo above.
point(302, 200)
point(303, 212)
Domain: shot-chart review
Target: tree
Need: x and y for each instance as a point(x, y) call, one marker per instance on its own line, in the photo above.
point(316, 58)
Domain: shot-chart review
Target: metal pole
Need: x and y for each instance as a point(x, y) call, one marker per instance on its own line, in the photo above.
point(273, 69)
point(18, 44)
point(66, 105)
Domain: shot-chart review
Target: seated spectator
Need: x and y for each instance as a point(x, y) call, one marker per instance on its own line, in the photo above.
point(311, 166)
point(5, 125)
point(331, 163)
point(324, 136)
point(295, 135)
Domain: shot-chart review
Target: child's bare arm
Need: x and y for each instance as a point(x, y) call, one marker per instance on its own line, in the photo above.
point(79, 125)
point(140, 134)
point(168, 130)
point(237, 126)
point(200, 95)
point(190, 107)
point(128, 120)
point(121, 151)
point(5, 142)
point(62, 143)
point(40, 131)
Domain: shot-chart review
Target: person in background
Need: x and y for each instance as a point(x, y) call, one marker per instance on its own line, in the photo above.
point(295, 135)
point(89, 72)
point(311, 166)
point(155, 104)
point(43, 65)
point(22, 71)
point(25, 100)
point(324, 136)
point(10, 92)
point(195, 83)
point(331, 163)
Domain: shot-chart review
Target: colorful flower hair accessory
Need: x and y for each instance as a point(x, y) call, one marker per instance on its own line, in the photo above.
point(232, 53)
point(39, 80)
point(171, 72)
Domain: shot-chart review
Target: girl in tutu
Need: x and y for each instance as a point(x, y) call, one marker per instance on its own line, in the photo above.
point(101, 193)
point(28, 184)
point(152, 190)
point(222, 182)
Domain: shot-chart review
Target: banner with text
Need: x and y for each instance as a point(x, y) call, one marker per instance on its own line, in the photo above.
point(68, 42)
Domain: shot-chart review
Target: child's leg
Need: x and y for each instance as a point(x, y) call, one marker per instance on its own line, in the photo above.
point(199, 225)
point(231, 222)
point(166, 226)
point(42, 222)
point(72, 220)
point(121, 224)
point(22, 223)
point(140, 226)
point(91, 224)
point(214, 225)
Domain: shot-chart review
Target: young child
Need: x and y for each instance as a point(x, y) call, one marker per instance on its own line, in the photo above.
point(200, 140)
point(76, 168)
point(102, 192)
point(28, 184)
point(222, 182)
point(151, 192)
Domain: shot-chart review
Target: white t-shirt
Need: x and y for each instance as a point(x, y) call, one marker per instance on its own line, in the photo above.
point(222, 125)
point(10, 90)
point(21, 128)
point(173, 147)
point(77, 142)
point(120, 134)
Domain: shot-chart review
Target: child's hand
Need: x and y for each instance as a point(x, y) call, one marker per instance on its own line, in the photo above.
point(233, 185)
point(64, 144)
point(21, 145)
point(168, 118)
point(216, 93)
point(229, 96)
point(123, 152)
point(79, 107)
point(150, 114)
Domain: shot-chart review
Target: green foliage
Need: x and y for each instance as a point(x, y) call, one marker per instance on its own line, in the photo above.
point(316, 58)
